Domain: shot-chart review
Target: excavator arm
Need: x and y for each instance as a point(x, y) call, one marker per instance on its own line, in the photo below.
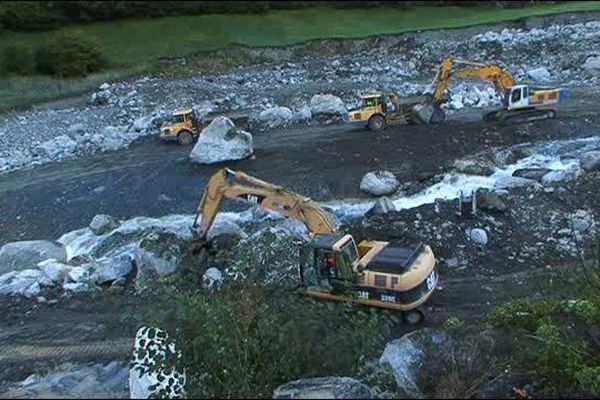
point(450, 68)
point(229, 184)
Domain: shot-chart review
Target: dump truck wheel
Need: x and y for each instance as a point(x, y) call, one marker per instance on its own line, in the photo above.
point(376, 123)
point(414, 316)
point(185, 138)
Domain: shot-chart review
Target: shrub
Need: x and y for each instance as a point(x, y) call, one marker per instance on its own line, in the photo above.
point(17, 59)
point(244, 341)
point(70, 54)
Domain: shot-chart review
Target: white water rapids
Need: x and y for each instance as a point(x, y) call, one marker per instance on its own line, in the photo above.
point(557, 156)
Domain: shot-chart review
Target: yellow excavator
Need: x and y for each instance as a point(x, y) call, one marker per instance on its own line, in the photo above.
point(519, 102)
point(397, 276)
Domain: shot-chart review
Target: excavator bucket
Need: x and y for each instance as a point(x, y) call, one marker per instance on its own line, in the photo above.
point(422, 113)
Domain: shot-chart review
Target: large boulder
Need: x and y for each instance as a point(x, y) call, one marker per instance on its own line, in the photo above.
point(436, 363)
point(474, 167)
point(532, 173)
point(101, 97)
point(509, 182)
point(27, 283)
point(490, 201)
point(323, 388)
point(540, 74)
point(591, 161)
point(592, 66)
point(225, 227)
point(152, 373)
point(26, 254)
point(111, 269)
point(221, 141)
point(274, 117)
point(382, 206)
point(327, 104)
point(379, 183)
point(75, 381)
point(102, 224)
point(478, 236)
point(158, 255)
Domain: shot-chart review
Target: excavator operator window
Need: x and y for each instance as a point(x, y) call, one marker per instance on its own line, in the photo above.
point(515, 96)
point(370, 102)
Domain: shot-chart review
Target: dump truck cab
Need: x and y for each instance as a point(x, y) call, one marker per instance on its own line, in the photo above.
point(183, 126)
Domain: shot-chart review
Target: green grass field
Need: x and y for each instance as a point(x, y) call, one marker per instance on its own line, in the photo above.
point(133, 43)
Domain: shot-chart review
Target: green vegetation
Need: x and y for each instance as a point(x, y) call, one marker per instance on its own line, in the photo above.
point(245, 340)
point(556, 344)
point(69, 54)
point(149, 39)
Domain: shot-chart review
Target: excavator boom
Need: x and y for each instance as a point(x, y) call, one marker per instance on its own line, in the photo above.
point(229, 184)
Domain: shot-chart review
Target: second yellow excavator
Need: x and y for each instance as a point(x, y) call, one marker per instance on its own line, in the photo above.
point(399, 276)
point(519, 102)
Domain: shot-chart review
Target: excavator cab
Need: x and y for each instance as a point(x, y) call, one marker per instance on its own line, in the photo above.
point(516, 97)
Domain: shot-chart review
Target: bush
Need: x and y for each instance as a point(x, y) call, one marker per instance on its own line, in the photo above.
point(17, 59)
point(244, 341)
point(70, 54)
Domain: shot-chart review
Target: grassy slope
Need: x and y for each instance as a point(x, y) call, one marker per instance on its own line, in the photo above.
point(131, 43)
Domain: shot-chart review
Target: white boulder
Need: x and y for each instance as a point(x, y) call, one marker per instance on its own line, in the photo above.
point(592, 66)
point(274, 117)
point(478, 236)
point(379, 183)
point(221, 141)
point(323, 388)
point(303, 114)
point(102, 224)
point(404, 356)
point(26, 254)
point(327, 104)
point(591, 161)
point(540, 74)
point(212, 278)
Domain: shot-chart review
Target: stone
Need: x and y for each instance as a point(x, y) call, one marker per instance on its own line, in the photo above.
point(591, 161)
point(478, 236)
point(274, 117)
point(592, 66)
point(379, 183)
point(382, 206)
point(158, 254)
point(101, 97)
point(221, 141)
point(152, 346)
point(104, 86)
point(75, 287)
point(212, 278)
point(74, 380)
point(76, 128)
point(102, 224)
point(473, 167)
point(327, 104)
point(403, 356)
point(505, 182)
point(323, 388)
point(540, 74)
point(225, 227)
point(489, 201)
point(27, 254)
point(302, 115)
point(112, 269)
point(535, 174)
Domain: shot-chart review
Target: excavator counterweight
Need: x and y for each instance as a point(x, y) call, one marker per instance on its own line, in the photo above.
point(374, 273)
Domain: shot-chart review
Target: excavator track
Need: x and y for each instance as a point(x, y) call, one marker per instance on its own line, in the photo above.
point(518, 117)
